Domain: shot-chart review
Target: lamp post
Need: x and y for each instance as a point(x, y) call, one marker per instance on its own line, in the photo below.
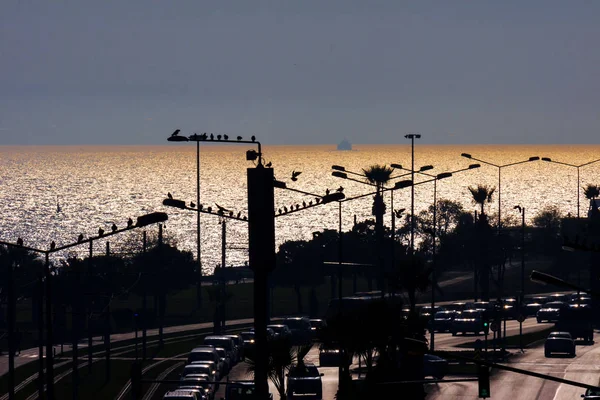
point(469, 156)
point(521, 211)
point(250, 155)
point(412, 138)
point(548, 159)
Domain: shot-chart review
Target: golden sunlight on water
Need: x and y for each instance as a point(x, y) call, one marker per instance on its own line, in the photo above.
point(97, 186)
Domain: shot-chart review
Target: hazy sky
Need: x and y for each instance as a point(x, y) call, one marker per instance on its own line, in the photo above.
point(300, 71)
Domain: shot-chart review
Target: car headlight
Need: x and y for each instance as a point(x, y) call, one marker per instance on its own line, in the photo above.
point(251, 340)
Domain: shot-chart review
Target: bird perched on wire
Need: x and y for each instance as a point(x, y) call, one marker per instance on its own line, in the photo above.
point(209, 209)
point(327, 191)
point(269, 164)
point(100, 232)
point(303, 204)
point(225, 137)
point(295, 175)
point(170, 196)
point(310, 203)
point(212, 137)
point(231, 213)
point(129, 223)
point(239, 138)
point(52, 245)
point(113, 227)
point(340, 189)
point(218, 137)
point(317, 200)
point(204, 136)
point(221, 209)
point(192, 204)
point(80, 238)
point(176, 132)
point(284, 209)
point(253, 138)
point(200, 207)
point(19, 242)
point(239, 214)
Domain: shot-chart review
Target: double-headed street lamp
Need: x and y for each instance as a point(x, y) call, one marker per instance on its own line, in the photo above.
point(469, 156)
point(251, 155)
point(548, 159)
point(412, 137)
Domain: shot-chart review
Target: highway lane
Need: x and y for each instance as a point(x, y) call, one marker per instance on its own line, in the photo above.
point(585, 367)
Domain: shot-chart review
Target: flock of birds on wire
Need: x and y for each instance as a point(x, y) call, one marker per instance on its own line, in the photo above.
point(212, 136)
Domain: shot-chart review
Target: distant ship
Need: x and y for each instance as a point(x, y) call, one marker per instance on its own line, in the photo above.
point(344, 145)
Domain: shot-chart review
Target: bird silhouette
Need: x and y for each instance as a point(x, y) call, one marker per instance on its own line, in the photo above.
point(170, 196)
point(303, 204)
point(80, 238)
point(284, 209)
point(310, 203)
point(327, 192)
point(19, 242)
point(204, 136)
point(220, 212)
point(245, 218)
point(100, 232)
point(225, 137)
point(279, 211)
point(129, 223)
point(175, 133)
point(253, 138)
point(212, 137)
point(222, 209)
point(295, 175)
point(318, 200)
point(192, 204)
point(340, 189)
point(200, 207)
point(231, 213)
point(297, 206)
point(269, 164)
point(218, 137)
point(209, 209)
point(52, 245)
point(239, 138)
point(238, 214)
point(113, 227)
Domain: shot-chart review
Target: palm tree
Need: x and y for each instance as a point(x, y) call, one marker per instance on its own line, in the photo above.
point(482, 194)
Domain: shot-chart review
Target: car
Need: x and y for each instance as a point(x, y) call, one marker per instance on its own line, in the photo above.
point(248, 343)
point(434, 366)
point(591, 394)
point(550, 311)
point(300, 328)
point(442, 321)
point(531, 309)
point(425, 311)
point(200, 368)
point(242, 391)
point(182, 394)
point(577, 319)
point(282, 332)
point(329, 355)
point(468, 321)
point(482, 305)
point(239, 344)
point(318, 326)
point(562, 297)
point(205, 353)
point(458, 306)
point(220, 368)
point(224, 342)
point(225, 359)
point(304, 381)
point(198, 382)
point(559, 342)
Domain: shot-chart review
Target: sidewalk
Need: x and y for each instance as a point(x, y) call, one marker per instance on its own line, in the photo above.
point(29, 355)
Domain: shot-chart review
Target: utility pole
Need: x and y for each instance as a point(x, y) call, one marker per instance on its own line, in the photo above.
point(261, 240)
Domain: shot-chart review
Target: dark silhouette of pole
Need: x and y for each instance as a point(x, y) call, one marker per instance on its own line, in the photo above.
point(433, 269)
point(75, 324)
point(107, 323)
point(198, 236)
point(223, 283)
point(144, 303)
point(89, 305)
point(49, 336)
point(261, 241)
point(11, 330)
point(40, 306)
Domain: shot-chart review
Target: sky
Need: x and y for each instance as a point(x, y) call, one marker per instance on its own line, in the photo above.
point(300, 71)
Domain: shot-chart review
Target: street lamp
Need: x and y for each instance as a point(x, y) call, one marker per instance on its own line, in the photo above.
point(412, 138)
point(251, 155)
point(469, 156)
point(548, 159)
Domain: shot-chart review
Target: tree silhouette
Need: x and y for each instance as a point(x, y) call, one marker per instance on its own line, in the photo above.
point(482, 194)
point(591, 191)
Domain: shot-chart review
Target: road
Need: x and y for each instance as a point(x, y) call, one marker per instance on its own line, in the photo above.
point(585, 368)
point(443, 341)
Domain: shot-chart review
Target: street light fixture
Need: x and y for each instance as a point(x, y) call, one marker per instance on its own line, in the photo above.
point(412, 138)
point(469, 156)
point(548, 159)
point(251, 155)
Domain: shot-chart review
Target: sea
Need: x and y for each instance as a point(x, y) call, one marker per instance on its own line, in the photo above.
point(56, 193)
